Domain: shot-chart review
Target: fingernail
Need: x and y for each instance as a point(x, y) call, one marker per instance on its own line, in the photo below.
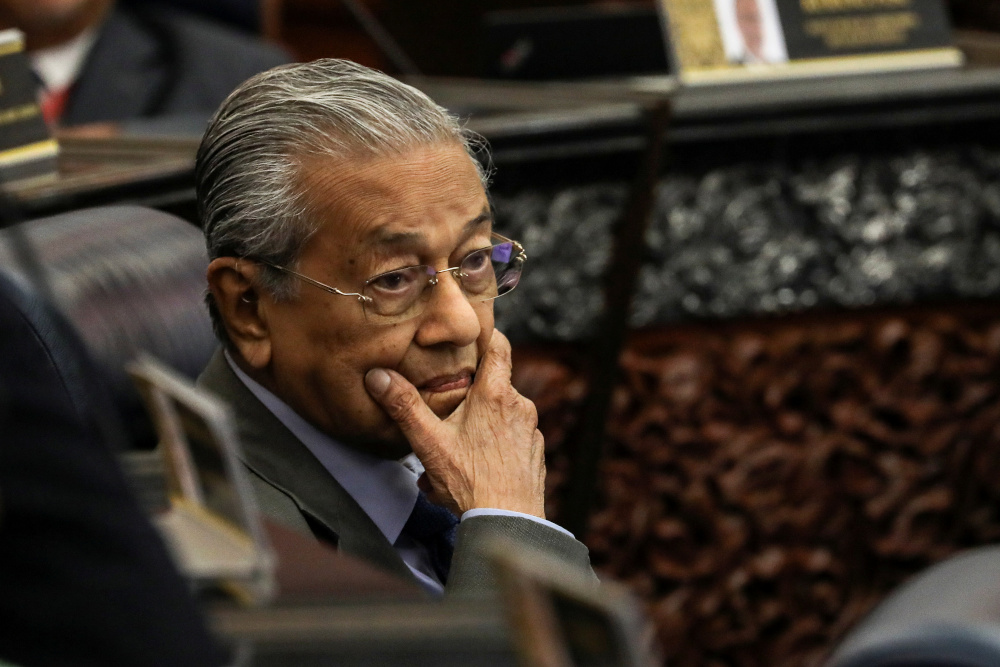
point(377, 381)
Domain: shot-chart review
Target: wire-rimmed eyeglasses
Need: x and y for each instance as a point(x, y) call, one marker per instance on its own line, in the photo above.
point(403, 293)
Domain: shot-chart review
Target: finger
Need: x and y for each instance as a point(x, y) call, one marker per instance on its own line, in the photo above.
point(424, 483)
point(438, 496)
point(538, 450)
point(538, 443)
point(530, 411)
point(496, 363)
point(538, 454)
point(443, 499)
point(403, 404)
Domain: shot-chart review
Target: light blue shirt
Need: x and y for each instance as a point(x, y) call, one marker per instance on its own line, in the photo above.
point(385, 490)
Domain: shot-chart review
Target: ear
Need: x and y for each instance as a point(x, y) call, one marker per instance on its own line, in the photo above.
point(231, 282)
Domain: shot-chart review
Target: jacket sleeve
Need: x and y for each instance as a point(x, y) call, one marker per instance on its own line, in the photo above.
point(471, 574)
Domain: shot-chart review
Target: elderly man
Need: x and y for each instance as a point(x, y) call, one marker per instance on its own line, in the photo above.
point(353, 268)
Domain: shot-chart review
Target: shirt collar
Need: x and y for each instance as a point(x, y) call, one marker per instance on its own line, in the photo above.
point(385, 490)
point(58, 66)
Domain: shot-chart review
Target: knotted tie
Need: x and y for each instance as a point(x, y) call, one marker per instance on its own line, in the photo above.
point(435, 528)
point(52, 102)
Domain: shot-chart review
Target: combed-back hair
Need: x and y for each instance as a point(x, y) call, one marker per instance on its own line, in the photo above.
point(251, 197)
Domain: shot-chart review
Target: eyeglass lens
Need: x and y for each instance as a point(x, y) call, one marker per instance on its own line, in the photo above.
point(484, 274)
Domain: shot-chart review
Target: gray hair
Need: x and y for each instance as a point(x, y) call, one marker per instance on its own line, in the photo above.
point(251, 200)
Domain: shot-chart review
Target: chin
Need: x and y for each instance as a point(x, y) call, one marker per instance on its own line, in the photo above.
point(443, 404)
point(386, 441)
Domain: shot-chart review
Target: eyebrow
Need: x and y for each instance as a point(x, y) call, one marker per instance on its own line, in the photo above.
point(382, 238)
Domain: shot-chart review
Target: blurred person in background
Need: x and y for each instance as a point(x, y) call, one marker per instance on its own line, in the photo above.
point(751, 31)
point(97, 60)
point(352, 277)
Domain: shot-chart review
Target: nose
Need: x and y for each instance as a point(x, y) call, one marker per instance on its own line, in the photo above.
point(449, 317)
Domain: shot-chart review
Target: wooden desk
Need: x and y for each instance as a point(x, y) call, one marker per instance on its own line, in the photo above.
point(155, 172)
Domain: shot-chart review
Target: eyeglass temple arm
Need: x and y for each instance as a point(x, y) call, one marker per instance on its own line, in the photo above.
point(326, 288)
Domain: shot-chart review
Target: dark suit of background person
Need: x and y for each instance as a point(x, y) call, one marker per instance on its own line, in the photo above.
point(293, 488)
point(247, 15)
point(98, 60)
point(153, 61)
point(84, 578)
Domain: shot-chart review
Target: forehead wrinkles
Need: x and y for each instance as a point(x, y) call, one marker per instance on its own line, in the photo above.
point(362, 195)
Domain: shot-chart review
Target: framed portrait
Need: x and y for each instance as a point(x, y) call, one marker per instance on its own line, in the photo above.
point(725, 40)
point(751, 31)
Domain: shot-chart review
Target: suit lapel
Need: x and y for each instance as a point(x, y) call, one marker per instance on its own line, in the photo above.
point(137, 81)
point(276, 456)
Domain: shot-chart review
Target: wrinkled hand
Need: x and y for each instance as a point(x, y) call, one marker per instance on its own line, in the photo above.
point(488, 452)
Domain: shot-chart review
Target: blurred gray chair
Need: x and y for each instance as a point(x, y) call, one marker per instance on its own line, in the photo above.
point(86, 579)
point(947, 616)
point(127, 279)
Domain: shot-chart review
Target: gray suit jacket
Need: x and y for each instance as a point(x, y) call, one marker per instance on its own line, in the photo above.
point(153, 61)
point(293, 488)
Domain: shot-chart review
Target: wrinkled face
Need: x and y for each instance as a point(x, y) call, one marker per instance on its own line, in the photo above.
point(751, 26)
point(424, 207)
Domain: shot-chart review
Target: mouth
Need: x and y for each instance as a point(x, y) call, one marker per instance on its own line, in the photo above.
point(445, 383)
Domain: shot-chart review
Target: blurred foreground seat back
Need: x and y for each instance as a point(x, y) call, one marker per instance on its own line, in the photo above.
point(947, 616)
point(86, 579)
point(42, 340)
point(127, 279)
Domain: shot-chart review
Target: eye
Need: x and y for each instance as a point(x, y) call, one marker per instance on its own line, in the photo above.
point(476, 261)
point(399, 281)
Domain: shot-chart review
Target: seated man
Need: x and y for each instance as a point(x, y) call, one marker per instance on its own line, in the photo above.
point(353, 267)
point(100, 60)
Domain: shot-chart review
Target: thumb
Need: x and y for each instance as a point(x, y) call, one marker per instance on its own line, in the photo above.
point(403, 404)
point(495, 367)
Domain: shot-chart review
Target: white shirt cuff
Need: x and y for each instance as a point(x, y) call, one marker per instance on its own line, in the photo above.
point(485, 511)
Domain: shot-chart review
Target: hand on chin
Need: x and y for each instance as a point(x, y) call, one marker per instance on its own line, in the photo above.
point(443, 403)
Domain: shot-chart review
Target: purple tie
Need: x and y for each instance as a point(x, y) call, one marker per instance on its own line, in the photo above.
point(435, 528)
